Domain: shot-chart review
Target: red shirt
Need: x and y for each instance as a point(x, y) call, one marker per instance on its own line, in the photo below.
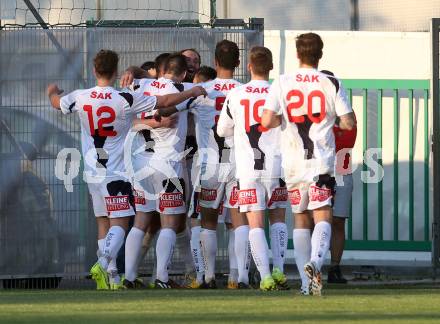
point(344, 139)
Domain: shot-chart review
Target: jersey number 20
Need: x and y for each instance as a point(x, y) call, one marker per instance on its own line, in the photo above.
point(314, 117)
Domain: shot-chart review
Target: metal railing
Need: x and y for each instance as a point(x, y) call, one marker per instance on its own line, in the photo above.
point(435, 66)
point(396, 217)
point(397, 90)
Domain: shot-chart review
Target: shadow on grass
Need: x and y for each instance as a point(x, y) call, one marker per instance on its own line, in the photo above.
point(222, 317)
point(102, 297)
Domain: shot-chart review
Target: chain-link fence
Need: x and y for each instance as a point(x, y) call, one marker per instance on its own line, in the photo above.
point(46, 231)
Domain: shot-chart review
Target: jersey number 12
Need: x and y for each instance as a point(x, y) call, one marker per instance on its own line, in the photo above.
point(102, 121)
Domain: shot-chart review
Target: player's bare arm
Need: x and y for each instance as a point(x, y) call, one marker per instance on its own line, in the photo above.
point(347, 121)
point(166, 112)
point(53, 92)
point(174, 99)
point(270, 119)
point(155, 122)
point(132, 72)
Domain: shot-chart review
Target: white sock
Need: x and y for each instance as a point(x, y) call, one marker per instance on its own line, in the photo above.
point(303, 250)
point(183, 245)
point(278, 243)
point(113, 242)
point(260, 251)
point(320, 243)
point(112, 271)
point(101, 244)
point(197, 253)
point(208, 240)
point(164, 252)
point(132, 252)
point(233, 267)
point(242, 252)
point(112, 267)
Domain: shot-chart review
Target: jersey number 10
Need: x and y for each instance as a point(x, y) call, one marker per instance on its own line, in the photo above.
point(102, 121)
point(255, 114)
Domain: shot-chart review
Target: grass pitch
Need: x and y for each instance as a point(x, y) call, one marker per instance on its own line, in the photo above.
point(421, 305)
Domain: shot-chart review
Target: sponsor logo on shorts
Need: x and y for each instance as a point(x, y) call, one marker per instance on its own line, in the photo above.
point(208, 194)
point(247, 197)
point(117, 203)
point(295, 196)
point(170, 200)
point(319, 194)
point(139, 197)
point(233, 199)
point(279, 194)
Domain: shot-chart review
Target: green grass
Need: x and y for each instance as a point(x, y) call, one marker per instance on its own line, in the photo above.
point(202, 306)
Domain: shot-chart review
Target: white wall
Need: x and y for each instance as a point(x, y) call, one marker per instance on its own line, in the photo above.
point(377, 15)
point(359, 55)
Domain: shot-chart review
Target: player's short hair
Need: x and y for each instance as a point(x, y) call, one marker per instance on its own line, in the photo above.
point(260, 58)
point(192, 50)
point(148, 65)
point(176, 64)
point(160, 61)
point(227, 54)
point(206, 73)
point(106, 63)
point(309, 48)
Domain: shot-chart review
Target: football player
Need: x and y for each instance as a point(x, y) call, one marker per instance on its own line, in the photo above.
point(258, 171)
point(161, 187)
point(306, 103)
point(215, 156)
point(193, 61)
point(106, 116)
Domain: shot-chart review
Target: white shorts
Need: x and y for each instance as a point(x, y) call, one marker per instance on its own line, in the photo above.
point(342, 201)
point(262, 195)
point(162, 191)
point(310, 195)
point(113, 197)
point(220, 186)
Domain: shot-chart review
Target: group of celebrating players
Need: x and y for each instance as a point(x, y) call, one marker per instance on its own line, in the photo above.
point(181, 141)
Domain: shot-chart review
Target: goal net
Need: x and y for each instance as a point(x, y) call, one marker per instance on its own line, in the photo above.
point(79, 12)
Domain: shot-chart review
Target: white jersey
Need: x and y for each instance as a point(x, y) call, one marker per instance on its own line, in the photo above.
point(190, 142)
point(257, 152)
point(309, 102)
point(138, 146)
point(106, 117)
point(165, 143)
point(206, 112)
point(139, 85)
